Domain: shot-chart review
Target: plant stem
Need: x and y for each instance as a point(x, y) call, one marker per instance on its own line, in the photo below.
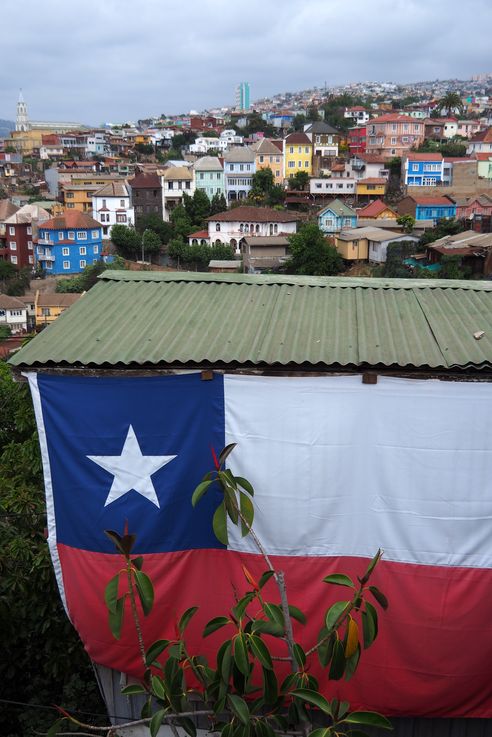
point(136, 618)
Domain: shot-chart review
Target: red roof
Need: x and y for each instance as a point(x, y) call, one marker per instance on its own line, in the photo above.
point(374, 209)
point(199, 234)
point(298, 138)
point(433, 200)
point(483, 157)
point(485, 136)
point(372, 180)
point(145, 181)
point(256, 215)
point(395, 118)
point(423, 157)
point(70, 219)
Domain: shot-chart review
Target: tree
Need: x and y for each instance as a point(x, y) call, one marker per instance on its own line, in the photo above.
point(43, 661)
point(218, 204)
point(126, 240)
point(312, 114)
point(153, 222)
point(299, 180)
point(151, 243)
point(197, 207)
point(312, 254)
point(444, 227)
point(407, 222)
point(181, 222)
point(299, 122)
point(176, 250)
point(450, 104)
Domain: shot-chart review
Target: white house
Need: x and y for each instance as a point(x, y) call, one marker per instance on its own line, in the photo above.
point(364, 166)
point(239, 167)
point(176, 181)
point(232, 226)
point(204, 144)
point(111, 205)
point(13, 314)
point(332, 186)
point(358, 114)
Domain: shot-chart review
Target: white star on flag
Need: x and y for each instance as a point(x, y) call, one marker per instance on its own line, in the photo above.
point(132, 470)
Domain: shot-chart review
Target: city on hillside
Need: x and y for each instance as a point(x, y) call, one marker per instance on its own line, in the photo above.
point(366, 179)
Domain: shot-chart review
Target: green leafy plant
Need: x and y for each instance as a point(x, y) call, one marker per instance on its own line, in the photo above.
point(243, 694)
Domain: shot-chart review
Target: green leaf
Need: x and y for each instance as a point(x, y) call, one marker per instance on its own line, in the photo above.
point(219, 524)
point(369, 624)
point(215, 624)
point(116, 617)
point(240, 608)
point(185, 619)
point(274, 613)
point(371, 567)
point(134, 688)
point(225, 452)
point(268, 628)
point(248, 513)
point(145, 591)
point(325, 651)
point(156, 721)
point(379, 596)
point(111, 593)
point(226, 664)
point(351, 664)
point(200, 491)
point(239, 708)
point(339, 579)
point(188, 726)
point(265, 577)
point(230, 502)
point(368, 719)
point(299, 655)
point(312, 697)
point(155, 650)
point(270, 686)
point(244, 483)
point(158, 687)
point(321, 732)
point(241, 655)
point(337, 666)
point(55, 727)
point(296, 613)
point(260, 651)
point(115, 539)
point(138, 562)
point(334, 613)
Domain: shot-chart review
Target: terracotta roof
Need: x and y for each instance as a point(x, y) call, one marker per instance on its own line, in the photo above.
point(198, 234)
point(395, 118)
point(483, 157)
point(372, 180)
point(71, 219)
point(145, 181)
point(27, 214)
point(255, 215)
point(423, 157)
point(298, 138)
point(112, 189)
point(177, 172)
point(266, 147)
point(7, 208)
point(372, 158)
point(278, 142)
point(374, 209)
point(11, 303)
point(485, 136)
point(432, 200)
point(56, 299)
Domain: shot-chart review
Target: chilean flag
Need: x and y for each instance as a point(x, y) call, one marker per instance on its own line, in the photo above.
point(340, 469)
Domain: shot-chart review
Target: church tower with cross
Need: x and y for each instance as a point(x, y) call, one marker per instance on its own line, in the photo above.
point(21, 119)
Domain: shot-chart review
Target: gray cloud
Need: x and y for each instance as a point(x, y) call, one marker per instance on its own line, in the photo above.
point(117, 60)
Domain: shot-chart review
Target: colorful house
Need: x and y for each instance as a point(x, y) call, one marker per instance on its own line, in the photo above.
point(394, 134)
point(298, 154)
point(427, 208)
point(423, 170)
point(269, 156)
point(69, 243)
point(371, 187)
point(357, 138)
point(209, 176)
point(324, 137)
point(49, 305)
point(377, 210)
point(335, 216)
point(239, 165)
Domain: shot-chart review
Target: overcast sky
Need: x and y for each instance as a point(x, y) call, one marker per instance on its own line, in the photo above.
point(112, 60)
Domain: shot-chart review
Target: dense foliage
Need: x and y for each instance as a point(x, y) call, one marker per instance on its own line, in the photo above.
point(312, 254)
point(42, 660)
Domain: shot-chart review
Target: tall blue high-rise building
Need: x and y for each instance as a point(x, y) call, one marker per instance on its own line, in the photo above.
point(242, 96)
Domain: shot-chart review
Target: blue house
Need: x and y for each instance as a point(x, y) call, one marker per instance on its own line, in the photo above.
point(428, 208)
point(69, 243)
point(335, 216)
point(423, 169)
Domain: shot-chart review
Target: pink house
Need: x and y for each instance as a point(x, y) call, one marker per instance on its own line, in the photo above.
point(471, 206)
point(394, 134)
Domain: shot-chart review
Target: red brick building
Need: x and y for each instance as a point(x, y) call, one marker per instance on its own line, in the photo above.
point(20, 235)
point(357, 138)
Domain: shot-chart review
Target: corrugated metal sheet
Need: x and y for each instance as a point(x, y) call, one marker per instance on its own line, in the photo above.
point(164, 319)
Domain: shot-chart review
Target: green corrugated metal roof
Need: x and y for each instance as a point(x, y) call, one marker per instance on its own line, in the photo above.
point(185, 319)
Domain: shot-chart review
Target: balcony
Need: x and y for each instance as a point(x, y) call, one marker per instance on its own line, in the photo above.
point(358, 166)
point(45, 242)
point(43, 257)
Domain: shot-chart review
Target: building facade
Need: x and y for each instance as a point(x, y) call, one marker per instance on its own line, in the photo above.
point(298, 155)
point(239, 167)
point(335, 216)
point(209, 176)
point(111, 205)
point(232, 226)
point(69, 243)
point(147, 196)
point(393, 134)
point(423, 170)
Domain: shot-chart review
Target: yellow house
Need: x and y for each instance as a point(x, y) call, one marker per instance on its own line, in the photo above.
point(298, 155)
point(48, 307)
point(352, 245)
point(77, 193)
point(371, 187)
point(26, 141)
point(268, 155)
point(143, 138)
point(377, 210)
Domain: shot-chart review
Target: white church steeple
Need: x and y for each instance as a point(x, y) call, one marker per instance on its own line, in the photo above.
point(21, 120)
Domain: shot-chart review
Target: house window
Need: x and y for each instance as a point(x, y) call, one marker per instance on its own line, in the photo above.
point(306, 164)
point(121, 218)
point(13, 258)
point(13, 246)
point(122, 203)
point(49, 265)
point(170, 185)
point(71, 235)
point(83, 263)
point(45, 312)
point(188, 185)
point(217, 227)
point(415, 167)
point(65, 252)
point(69, 195)
point(95, 233)
point(262, 158)
point(11, 230)
point(291, 149)
point(29, 245)
point(82, 251)
point(29, 230)
point(66, 264)
point(82, 235)
point(95, 249)
point(393, 141)
point(291, 164)
point(306, 149)
point(31, 259)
